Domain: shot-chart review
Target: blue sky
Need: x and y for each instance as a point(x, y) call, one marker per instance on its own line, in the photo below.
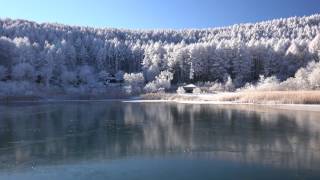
point(149, 14)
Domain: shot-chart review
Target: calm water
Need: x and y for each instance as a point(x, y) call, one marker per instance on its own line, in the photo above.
point(116, 140)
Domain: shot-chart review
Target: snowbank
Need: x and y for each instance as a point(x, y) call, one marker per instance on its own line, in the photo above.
point(271, 99)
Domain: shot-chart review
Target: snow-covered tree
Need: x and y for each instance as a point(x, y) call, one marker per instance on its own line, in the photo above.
point(23, 71)
point(86, 75)
point(58, 55)
point(161, 82)
point(3, 72)
point(135, 82)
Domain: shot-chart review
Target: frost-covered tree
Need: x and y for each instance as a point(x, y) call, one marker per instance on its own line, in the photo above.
point(314, 75)
point(314, 45)
point(161, 82)
point(23, 71)
point(134, 82)
point(69, 78)
point(86, 75)
point(55, 55)
point(103, 76)
point(3, 72)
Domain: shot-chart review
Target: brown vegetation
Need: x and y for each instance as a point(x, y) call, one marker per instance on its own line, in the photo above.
point(254, 97)
point(276, 97)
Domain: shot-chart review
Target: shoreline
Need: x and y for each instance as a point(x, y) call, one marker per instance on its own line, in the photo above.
point(297, 107)
point(218, 99)
point(207, 99)
point(60, 98)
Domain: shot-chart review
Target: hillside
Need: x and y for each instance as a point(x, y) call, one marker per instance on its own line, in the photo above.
point(54, 58)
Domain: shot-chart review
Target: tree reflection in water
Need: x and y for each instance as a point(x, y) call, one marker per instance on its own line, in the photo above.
point(58, 133)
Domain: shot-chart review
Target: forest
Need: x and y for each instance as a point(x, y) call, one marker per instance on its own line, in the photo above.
point(44, 59)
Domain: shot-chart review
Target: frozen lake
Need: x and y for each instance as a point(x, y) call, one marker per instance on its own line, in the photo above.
point(117, 140)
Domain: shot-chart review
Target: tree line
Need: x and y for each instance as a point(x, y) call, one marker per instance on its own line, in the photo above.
point(79, 59)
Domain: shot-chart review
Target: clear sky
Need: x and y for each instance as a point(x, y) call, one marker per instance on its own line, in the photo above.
point(147, 14)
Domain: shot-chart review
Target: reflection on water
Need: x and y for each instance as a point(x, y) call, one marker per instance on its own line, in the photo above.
point(43, 135)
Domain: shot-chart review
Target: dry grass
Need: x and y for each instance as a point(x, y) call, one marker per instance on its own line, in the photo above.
point(254, 97)
point(168, 96)
point(276, 97)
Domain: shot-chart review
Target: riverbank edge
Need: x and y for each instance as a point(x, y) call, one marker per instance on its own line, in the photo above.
point(297, 107)
point(62, 98)
point(164, 97)
point(213, 99)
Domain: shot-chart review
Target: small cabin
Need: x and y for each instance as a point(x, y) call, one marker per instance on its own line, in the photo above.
point(189, 88)
point(113, 79)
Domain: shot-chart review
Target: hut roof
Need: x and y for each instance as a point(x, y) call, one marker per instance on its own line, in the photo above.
point(190, 86)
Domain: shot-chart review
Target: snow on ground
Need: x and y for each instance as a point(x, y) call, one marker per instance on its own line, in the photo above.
point(214, 100)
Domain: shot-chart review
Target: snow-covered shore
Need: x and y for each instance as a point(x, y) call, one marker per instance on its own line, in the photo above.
point(227, 98)
point(218, 99)
point(296, 107)
point(250, 97)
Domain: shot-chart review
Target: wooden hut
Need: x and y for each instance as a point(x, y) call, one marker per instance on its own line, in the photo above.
point(189, 88)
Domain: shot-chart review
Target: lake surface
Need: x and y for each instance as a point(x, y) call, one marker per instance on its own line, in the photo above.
point(118, 140)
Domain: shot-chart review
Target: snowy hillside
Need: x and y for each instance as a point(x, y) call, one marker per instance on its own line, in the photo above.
point(54, 58)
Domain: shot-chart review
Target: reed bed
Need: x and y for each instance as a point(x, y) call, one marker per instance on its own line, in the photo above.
point(276, 97)
point(253, 97)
